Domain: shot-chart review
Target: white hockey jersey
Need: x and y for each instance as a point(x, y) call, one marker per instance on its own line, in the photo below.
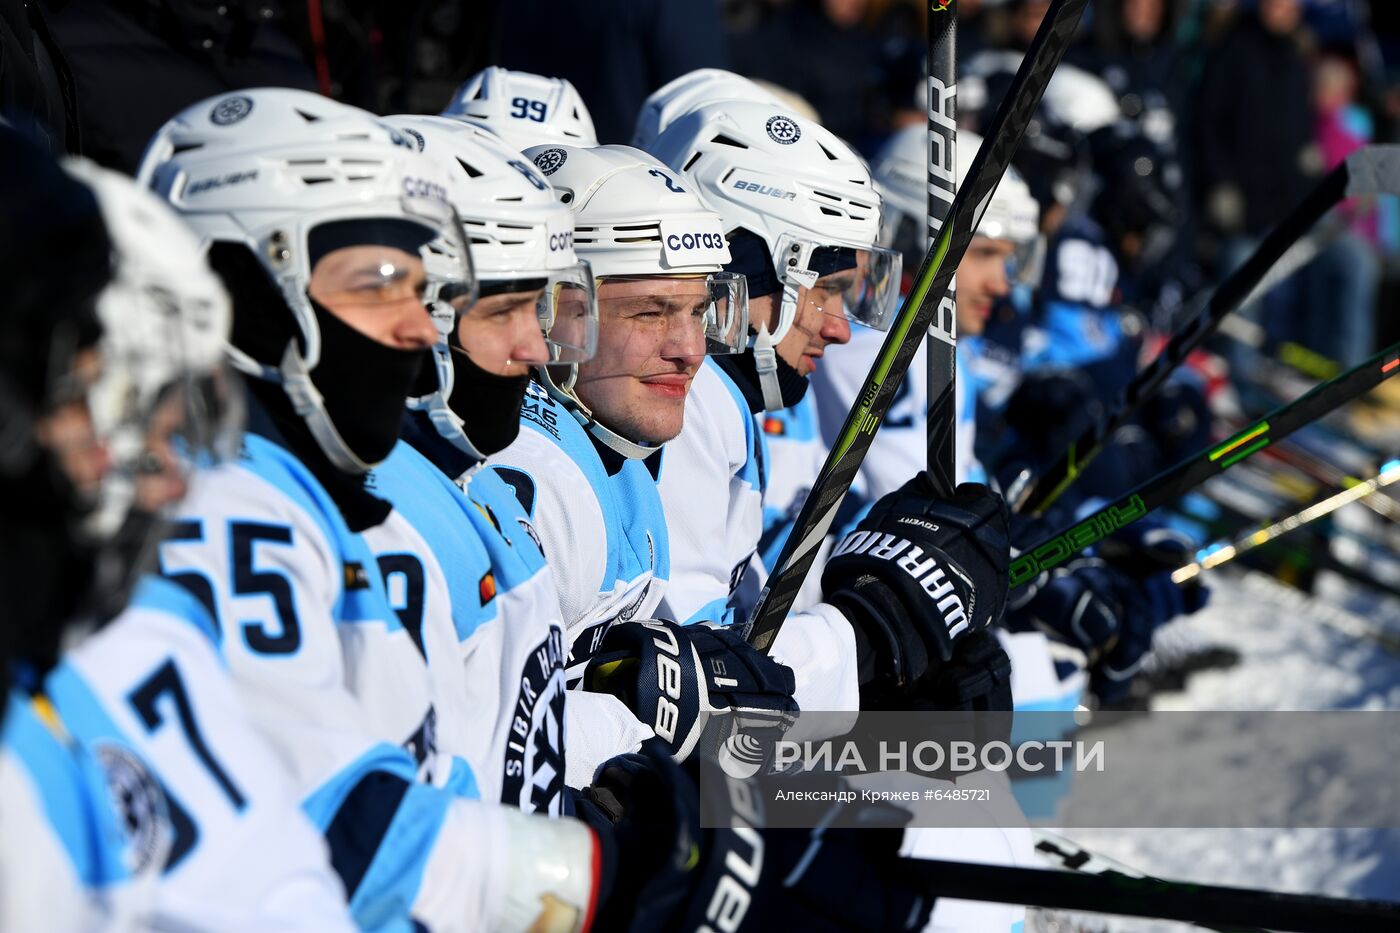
point(900, 447)
point(335, 682)
point(711, 489)
point(463, 569)
point(201, 794)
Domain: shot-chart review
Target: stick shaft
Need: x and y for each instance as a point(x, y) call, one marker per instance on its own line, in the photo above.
point(942, 361)
point(1173, 482)
point(914, 317)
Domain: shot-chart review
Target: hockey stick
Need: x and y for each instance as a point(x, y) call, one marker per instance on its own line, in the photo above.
point(1372, 170)
point(914, 318)
point(1170, 484)
point(942, 340)
point(1071, 856)
point(1223, 552)
point(1233, 909)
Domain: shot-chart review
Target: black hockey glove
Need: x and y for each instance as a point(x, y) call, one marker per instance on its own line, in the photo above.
point(915, 577)
point(675, 677)
point(662, 871)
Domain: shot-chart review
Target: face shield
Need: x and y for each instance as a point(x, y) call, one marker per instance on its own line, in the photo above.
point(567, 310)
point(161, 406)
point(859, 283)
point(701, 315)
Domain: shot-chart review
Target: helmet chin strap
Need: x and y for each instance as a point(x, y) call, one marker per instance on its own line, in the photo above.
point(309, 405)
point(764, 345)
point(765, 358)
point(565, 394)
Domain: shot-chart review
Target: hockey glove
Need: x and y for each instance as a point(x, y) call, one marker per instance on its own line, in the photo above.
point(676, 677)
point(662, 871)
point(915, 576)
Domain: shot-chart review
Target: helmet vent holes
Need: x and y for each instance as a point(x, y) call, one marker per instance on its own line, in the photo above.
point(828, 152)
point(829, 211)
point(691, 161)
point(308, 117)
point(185, 147)
point(723, 140)
point(472, 172)
point(829, 197)
point(629, 227)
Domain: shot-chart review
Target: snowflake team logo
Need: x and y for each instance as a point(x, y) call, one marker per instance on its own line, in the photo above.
point(230, 110)
point(551, 160)
point(140, 805)
point(783, 130)
point(417, 138)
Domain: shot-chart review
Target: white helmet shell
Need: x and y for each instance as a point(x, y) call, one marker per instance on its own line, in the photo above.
point(691, 90)
point(262, 168)
point(901, 171)
point(165, 320)
point(510, 212)
point(633, 215)
point(773, 174)
point(524, 109)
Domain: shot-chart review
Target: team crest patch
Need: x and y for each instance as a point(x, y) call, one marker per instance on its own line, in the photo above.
point(140, 803)
point(417, 138)
point(783, 130)
point(551, 160)
point(533, 773)
point(230, 110)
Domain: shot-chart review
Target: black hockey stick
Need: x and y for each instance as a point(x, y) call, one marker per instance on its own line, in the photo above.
point(1233, 909)
point(914, 318)
point(1372, 170)
point(1173, 482)
point(1072, 856)
point(941, 343)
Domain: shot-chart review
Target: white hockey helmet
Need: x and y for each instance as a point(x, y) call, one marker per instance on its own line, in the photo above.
point(520, 235)
point(524, 109)
point(165, 322)
point(901, 172)
point(633, 218)
point(264, 169)
point(691, 90)
point(806, 194)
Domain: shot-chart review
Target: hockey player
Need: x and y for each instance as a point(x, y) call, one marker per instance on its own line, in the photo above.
point(63, 857)
point(331, 230)
point(470, 557)
point(143, 704)
point(585, 464)
point(803, 219)
point(523, 109)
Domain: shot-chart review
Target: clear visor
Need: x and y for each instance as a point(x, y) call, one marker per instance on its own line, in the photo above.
point(685, 315)
point(859, 283)
point(373, 263)
point(568, 314)
point(156, 432)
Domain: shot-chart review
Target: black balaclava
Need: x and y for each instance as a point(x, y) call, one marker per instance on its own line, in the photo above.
point(353, 370)
point(749, 256)
point(488, 404)
point(55, 259)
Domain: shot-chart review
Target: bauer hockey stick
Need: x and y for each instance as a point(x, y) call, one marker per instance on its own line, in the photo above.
point(1175, 481)
point(1372, 170)
point(941, 343)
point(914, 318)
point(1233, 909)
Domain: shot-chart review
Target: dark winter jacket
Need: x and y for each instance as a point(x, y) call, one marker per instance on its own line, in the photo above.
point(1255, 122)
point(36, 88)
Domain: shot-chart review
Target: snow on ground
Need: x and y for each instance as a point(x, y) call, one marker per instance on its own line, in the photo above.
point(1297, 653)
